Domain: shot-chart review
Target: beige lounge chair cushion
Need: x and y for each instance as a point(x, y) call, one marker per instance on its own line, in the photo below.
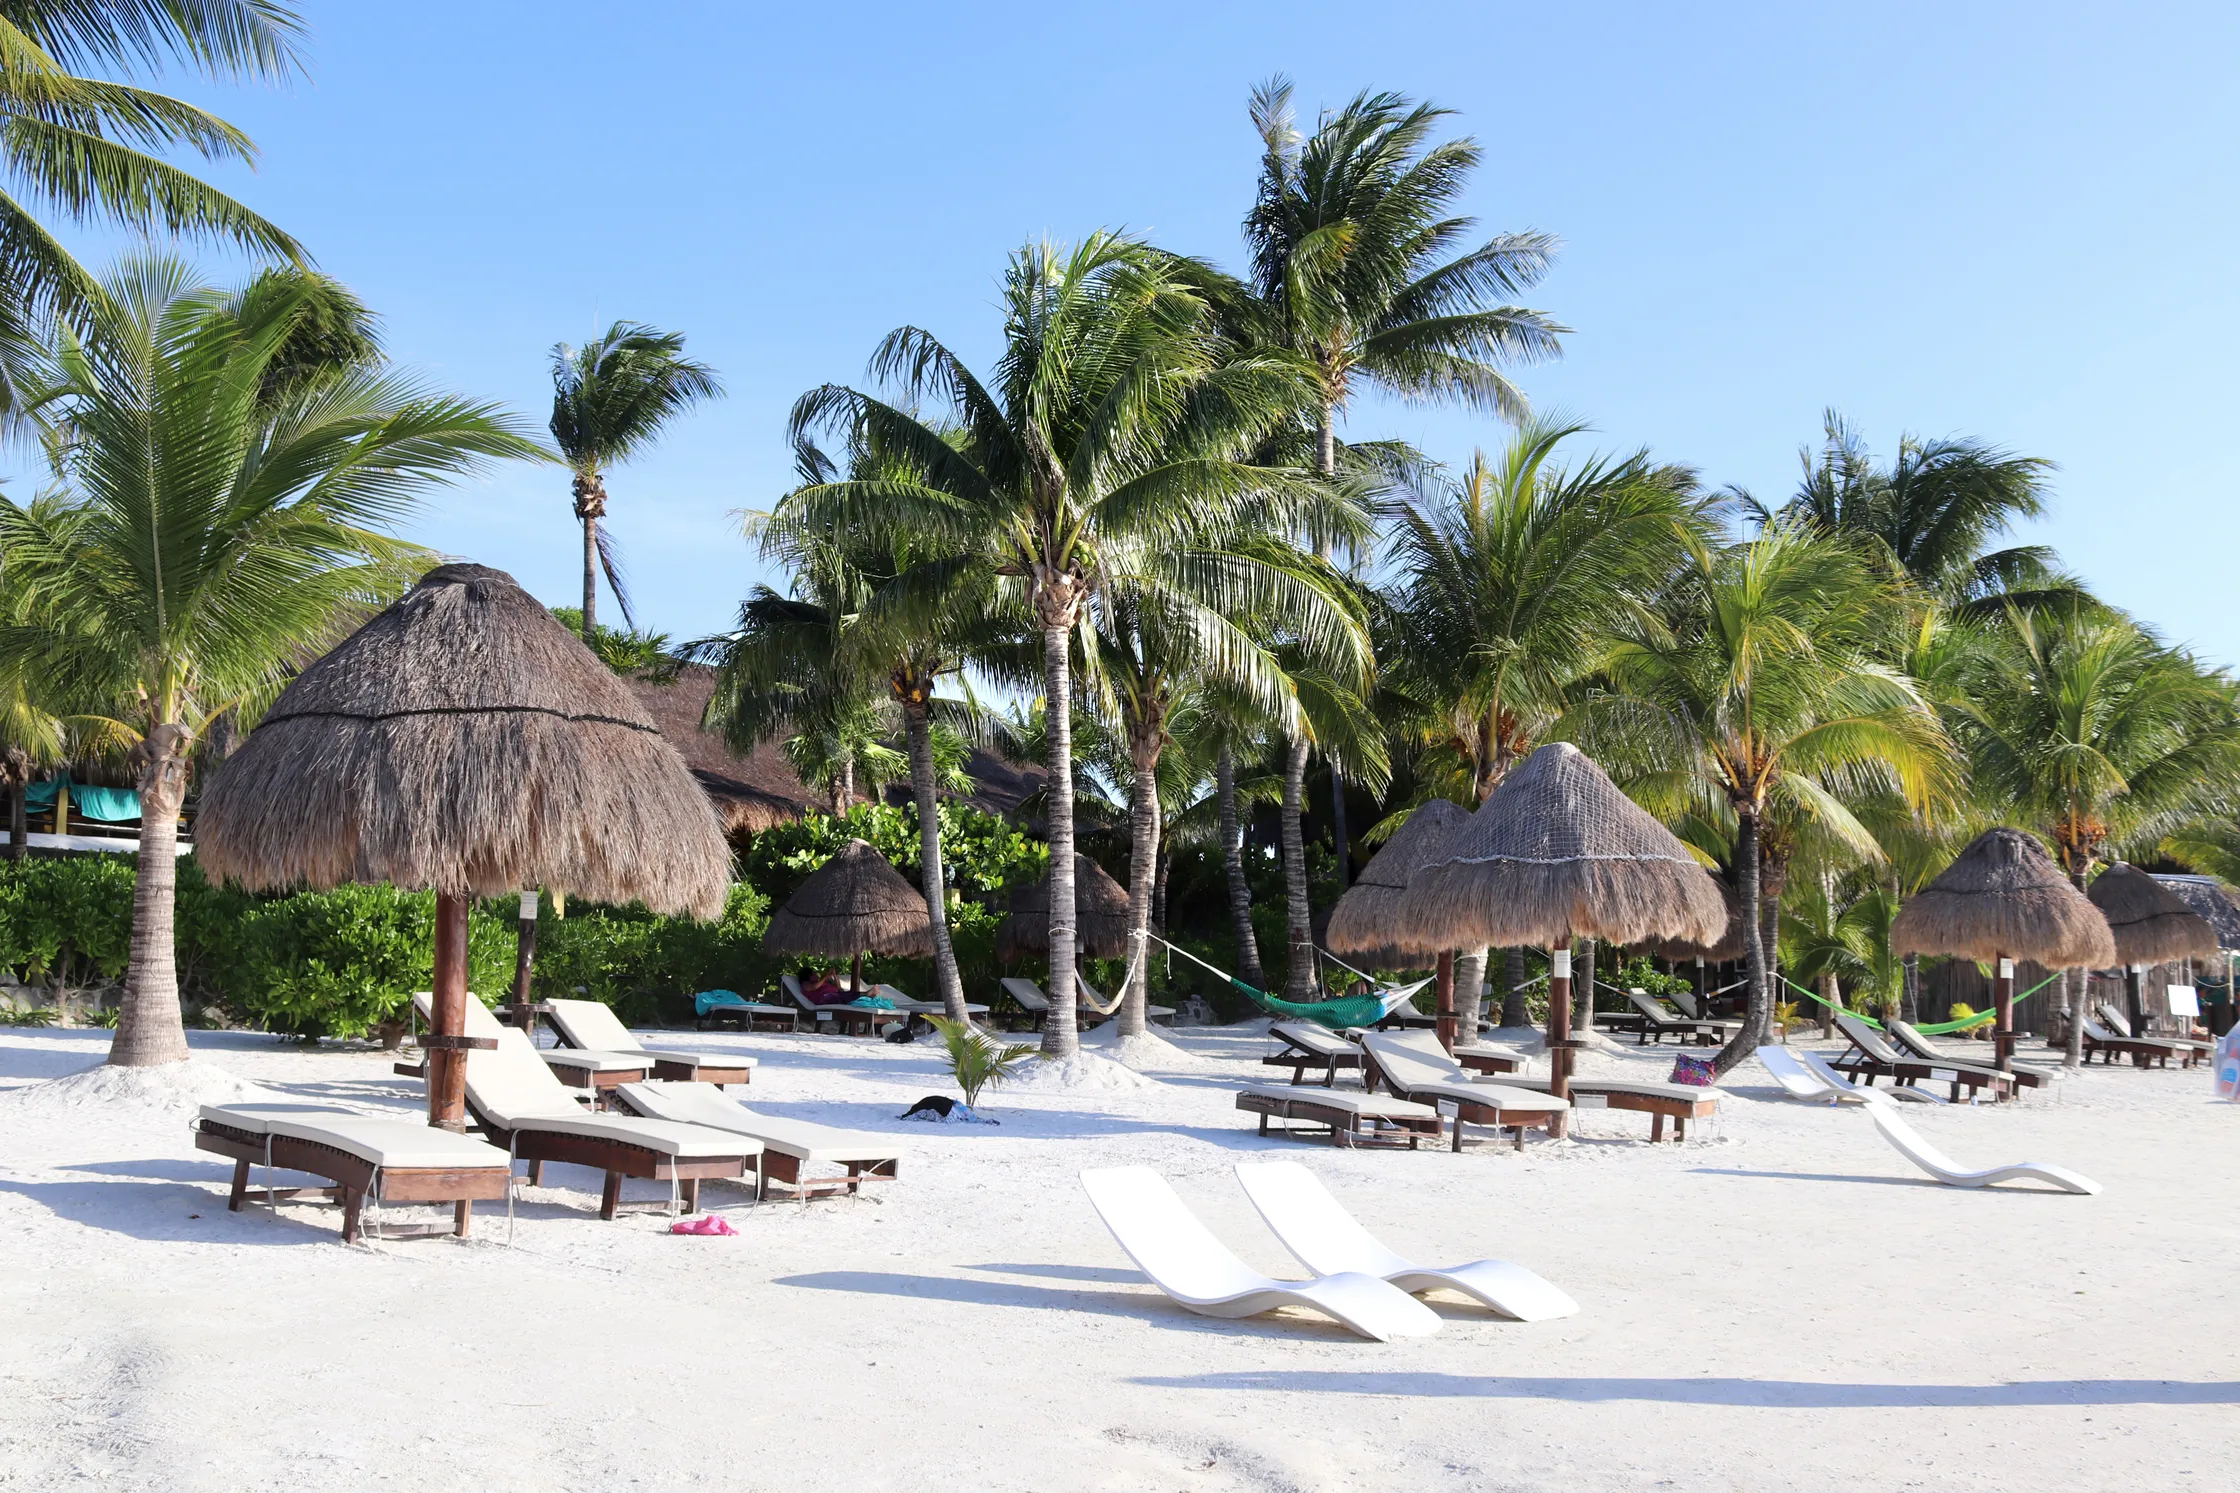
point(1320, 1041)
point(1421, 1069)
point(684, 1142)
point(256, 1119)
point(592, 1027)
point(1645, 1087)
point(1367, 1106)
point(698, 1105)
point(596, 1062)
point(397, 1144)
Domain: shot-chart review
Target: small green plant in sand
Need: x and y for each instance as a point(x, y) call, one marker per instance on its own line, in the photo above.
point(29, 1016)
point(976, 1059)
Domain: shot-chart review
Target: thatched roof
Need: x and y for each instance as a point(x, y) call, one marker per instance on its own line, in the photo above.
point(753, 791)
point(2004, 896)
point(1728, 947)
point(2209, 897)
point(855, 903)
point(1558, 853)
point(1100, 915)
point(463, 740)
point(2150, 923)
point(1366, 920)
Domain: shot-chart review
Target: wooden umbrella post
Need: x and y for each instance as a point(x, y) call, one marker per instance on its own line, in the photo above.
point(1445, 985)
point(524, 959)
point(447, 1063)
point(2134, 1001)
point(1559, 1022)
point(1703, 990)
point(2002, 1031)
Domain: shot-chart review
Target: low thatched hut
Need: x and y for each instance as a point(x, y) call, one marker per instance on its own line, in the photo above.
point(1100, 915)
point(2151, 925)
point(2000, 900)
point(1557, 854)
point(854, 904)
point(463, 742)
point(1366, 922)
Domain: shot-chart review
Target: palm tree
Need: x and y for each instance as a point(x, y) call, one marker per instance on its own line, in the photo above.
point(207, 538)
point(1360, 266)
point(1111, 440)
point(1754, 690)
point(610, 398)
point(84, 145)
point(2097, 736)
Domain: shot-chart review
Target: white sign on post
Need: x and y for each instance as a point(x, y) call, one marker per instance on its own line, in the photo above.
point(2184, 1000)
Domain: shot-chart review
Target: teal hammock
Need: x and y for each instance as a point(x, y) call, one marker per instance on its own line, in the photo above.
point(1931, 1029)
point(1346, 1011)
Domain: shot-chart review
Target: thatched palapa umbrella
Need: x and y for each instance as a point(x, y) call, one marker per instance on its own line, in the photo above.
point(463, 742)
point(2002, 899)
point(1556, 854)
point(2151, 925)
point(1100, 915)
point(1367, 919)
point(852, 905)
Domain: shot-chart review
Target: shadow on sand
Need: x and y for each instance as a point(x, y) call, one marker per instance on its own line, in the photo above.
point(1772, 1394)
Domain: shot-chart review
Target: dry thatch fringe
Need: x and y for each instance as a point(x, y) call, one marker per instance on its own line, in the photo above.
point(1100, 915)
point(2003, 896)
point(2209, 900)
point(1558, 853)
point(2151, 924)
point(464, 741)
point(1727, 948)
point(1367, 921)
point(855, 903)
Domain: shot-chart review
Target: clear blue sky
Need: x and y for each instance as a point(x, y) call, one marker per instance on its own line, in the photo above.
point(2009, 221)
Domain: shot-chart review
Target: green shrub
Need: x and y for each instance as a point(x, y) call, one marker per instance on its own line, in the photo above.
point(66, 920)
point(976, 1059)
point(985, 855)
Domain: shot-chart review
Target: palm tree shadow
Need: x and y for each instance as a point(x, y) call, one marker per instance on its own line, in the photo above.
point(1771, 1394)
point(1142, 1306)
point(1732, 1171)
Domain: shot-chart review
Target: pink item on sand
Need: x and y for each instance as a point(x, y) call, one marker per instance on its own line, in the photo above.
point(705, 1224)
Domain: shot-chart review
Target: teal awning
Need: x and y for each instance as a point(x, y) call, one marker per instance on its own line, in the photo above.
point(109, 805)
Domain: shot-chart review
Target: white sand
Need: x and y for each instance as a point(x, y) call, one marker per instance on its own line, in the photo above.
point(1784, 1306)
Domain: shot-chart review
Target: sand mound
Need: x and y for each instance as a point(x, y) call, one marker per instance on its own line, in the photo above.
point(1144, 1050)
point(1083, 1071)
point(173, 1086)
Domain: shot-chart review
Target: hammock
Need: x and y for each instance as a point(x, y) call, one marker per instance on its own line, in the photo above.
point(1347, 1011)
point(1928, 1029)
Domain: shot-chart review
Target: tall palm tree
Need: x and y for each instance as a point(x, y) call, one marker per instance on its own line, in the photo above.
point(611, 398)
point(1112, 437)
point(2097, 736)
point(208, 536)
point(1360, 265)
point(86, 146)
point(1755, 690)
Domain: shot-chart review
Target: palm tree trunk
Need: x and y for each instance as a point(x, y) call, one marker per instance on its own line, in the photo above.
point(1514, 1011)
point(918, 732)
point(1911, 997)
point(1338, 829)
point(19, 815)
point(150, 1030)
point(847, 778)
point(2076, 984)
point(1582, 988)
point(1299, 981)
point(590, 578)
point(1749, 1036)
point(1469, 975)
point(1060, 1032)
point(1143, 858)
point(1232, 865)
point(1159, 887)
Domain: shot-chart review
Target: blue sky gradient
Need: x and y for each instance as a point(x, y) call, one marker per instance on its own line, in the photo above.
point(2007, 221)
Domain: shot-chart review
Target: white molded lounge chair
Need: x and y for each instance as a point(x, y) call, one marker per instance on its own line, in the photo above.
point(1841, 1089)
point(1942, 1167)
point(377, 1158)
point(531, 1113)
point(787, 1145)
point(1324, 1236)
point(1183, 1259)
point(592, 1025)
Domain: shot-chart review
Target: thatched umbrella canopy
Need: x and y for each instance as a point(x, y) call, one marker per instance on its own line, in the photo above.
point(2003, 899)
point(1100, 915)
point(463, 741)
point(2150, 923)
point(1727, 946)
point(852, 905)
point(1367, 919)
point(1556, 854)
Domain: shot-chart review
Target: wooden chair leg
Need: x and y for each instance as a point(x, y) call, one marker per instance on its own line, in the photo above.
point(462, 1217)
point(352, 1201)
point(690, 1193)
point(536, 1174)
point(611, 1196)
point(1656, 1129)
point(240, 1186)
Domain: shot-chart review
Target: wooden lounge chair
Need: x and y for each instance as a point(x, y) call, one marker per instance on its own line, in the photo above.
point(1492, 1061)
point(1909, 1038)
point(1402, 1066)
point(2120, 1024)
point(853, 1021)
point(369, 1158)
point(787, 1146)
point(748, 1016)
point(1653, 1022)
point(1036, 1004)
point(908, 1006)
point(1677, 1102)
point(2144, 1052)
point(600, 1072)
point(527, 1110)
point(1910, 1145)
point(593, 1026)
point(1183, 1259)
point(1351, 1118)
point(1310, 1045)
point(1870, 1058)
point(1324, 1237)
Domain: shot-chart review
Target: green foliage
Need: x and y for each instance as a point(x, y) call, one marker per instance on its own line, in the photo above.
point(977, 1059)
point(28, 1015)
point(648, 968)
point(631, 652)
point(984, 854)
point(1641, 973)
point(66, 921)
